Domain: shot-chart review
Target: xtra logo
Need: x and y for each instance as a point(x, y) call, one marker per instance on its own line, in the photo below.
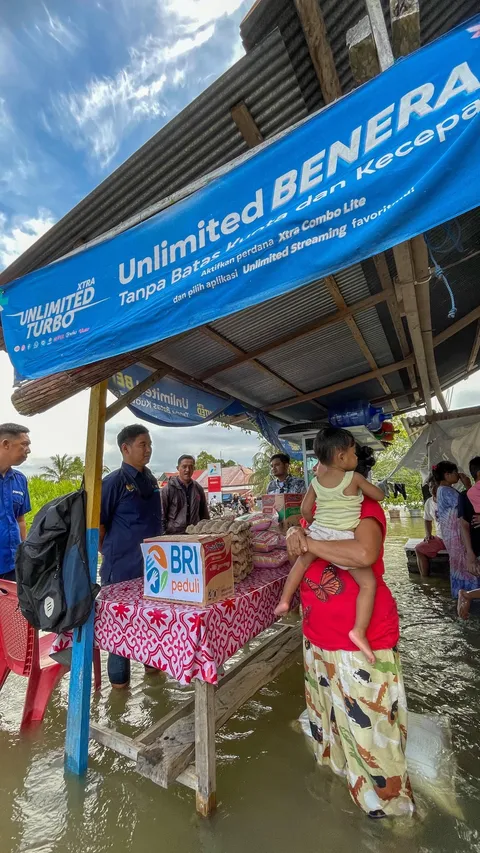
point(156, 569)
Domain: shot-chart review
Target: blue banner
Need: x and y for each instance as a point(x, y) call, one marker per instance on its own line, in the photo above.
point(174, 404)
point(168, 402)
point(392, 159)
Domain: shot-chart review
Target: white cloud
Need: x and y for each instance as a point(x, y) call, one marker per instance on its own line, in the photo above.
point(111, 106)
point(200, 12)
point(19, 233)
point(59, 32)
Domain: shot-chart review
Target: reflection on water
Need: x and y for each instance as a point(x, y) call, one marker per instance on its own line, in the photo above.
point(272, 798)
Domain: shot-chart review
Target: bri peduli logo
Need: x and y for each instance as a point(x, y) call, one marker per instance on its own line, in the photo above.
point(156, 569)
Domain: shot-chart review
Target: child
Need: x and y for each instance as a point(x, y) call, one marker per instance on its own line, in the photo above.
point(337, 492)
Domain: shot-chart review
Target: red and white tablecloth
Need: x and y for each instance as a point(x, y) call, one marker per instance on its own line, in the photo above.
point(184, 641)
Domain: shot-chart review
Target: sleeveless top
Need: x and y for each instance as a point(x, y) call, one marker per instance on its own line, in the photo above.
point(333, 508)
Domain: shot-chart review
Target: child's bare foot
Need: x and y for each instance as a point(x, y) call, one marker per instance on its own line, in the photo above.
point(282, 608)
point(361, 641)
point(463, 604)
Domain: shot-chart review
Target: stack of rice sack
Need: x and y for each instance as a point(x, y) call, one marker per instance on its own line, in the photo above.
point(241, 534)
point(269, 543)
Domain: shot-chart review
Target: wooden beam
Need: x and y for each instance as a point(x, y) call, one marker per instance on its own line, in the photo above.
point(406, 278)
point(362, 52)
point(383, 273)
point(134, 393)
point(169, 756)
point(313, 326)
point(205, 759)
point(405, 19)
point(403, 253)
point(221, 339)
point(246, 124)
point(457, 327)
point(357, 335)
point(472, 411)
point(340, 386)
point(474, 353)
point(313, 25)
point(78, 713)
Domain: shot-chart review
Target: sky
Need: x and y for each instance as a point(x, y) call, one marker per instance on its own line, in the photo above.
point(83, 84)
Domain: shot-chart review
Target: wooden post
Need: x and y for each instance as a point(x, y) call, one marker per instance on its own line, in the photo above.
point(205, 760)
point(78, 716)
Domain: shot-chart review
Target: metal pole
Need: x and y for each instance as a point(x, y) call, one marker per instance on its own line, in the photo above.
point(78, 715)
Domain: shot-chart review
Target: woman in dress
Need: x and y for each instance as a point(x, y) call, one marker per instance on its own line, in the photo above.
point(446, 475)
point(357, 710)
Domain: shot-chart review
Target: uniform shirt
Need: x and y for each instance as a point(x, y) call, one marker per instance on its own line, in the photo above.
point(430, 514)
point(14, 502)
point(130, 512)
point(290, 486)
point(329, 597)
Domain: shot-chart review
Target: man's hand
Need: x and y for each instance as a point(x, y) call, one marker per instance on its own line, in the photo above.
point(465, 480)
point(296, 542)
point(428, 538)
point(475, 520)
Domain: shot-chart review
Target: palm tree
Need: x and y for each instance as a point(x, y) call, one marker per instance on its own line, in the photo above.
point(62, 468)
point(261, 467)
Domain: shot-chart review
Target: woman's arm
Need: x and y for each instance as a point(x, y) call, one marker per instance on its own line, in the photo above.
point(368, 489)
point(359, 553)
point(308, 504)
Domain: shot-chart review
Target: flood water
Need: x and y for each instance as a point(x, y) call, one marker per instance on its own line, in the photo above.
point(272, 798)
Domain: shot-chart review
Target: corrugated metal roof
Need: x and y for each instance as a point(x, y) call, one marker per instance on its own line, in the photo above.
point(265, 323)
point(319, 359)
point(201, 138)
point(192, 349)
point(374, 335)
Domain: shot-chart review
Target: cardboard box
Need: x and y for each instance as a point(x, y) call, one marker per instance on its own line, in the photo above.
point(283, 508)
point(188, 569)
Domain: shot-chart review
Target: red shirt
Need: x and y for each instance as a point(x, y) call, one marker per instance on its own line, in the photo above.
point(329, 595)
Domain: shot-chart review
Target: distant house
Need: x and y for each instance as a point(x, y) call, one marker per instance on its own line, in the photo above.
point(235, 480)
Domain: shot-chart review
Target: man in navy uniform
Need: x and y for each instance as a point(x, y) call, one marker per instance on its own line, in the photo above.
point(131, 512)
point(14, 497)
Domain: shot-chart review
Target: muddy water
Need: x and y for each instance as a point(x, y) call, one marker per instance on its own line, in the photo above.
point(272, 798)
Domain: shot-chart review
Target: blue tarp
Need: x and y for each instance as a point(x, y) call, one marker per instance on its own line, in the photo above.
point(175, 404)
point(392, 159)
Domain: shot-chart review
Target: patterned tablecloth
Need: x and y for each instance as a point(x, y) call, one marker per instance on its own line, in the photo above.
point(184, 641)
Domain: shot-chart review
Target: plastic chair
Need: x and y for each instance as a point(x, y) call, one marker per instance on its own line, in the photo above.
point(24, 652)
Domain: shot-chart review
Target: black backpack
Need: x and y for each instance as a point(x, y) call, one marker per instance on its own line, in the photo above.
point(53, 579)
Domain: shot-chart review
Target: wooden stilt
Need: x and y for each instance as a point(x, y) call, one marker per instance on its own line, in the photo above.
point(78, 717)
point(205, 759)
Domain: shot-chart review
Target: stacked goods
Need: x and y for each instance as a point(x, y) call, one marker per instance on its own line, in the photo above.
point(241, 538)
point(283, 509)
point(270, 559)
point(268, 540)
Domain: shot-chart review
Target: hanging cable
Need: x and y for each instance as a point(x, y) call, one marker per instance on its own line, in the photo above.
point(452, 240)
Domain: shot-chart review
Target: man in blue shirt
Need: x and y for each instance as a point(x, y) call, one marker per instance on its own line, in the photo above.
point(130, 512)
point(14, 497)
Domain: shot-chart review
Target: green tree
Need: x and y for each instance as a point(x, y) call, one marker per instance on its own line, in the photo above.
point(387, 461)
point(62, 468)
point(42, 491)
point(204, 459)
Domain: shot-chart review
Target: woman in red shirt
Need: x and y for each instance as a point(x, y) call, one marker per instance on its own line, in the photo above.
point(357, 710)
